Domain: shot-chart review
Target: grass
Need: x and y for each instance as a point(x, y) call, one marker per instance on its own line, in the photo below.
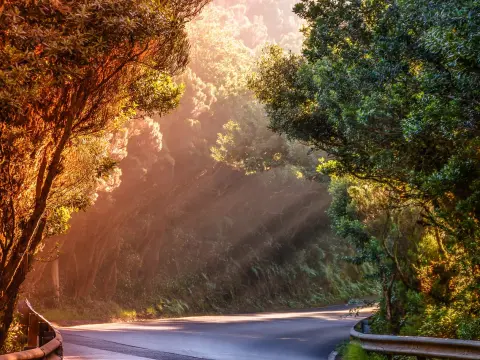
point(71, 312)
point(355, 352)
point(62, 315)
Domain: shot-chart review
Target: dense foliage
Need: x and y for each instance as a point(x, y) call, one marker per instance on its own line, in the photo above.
point(71, 75)
point(198, 224)
point(390, 89)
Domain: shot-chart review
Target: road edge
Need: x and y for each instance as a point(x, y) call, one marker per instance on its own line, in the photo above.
point(333, 355)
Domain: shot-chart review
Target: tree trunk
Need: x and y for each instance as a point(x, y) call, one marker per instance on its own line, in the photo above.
point(7, 308)
point(388, 305)
point(15, 270)
point(387, 293)
point(56, 279)
point(8, 297)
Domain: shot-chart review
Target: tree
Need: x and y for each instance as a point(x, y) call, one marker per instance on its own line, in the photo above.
point(248, 145)
point(69, 74)
point(390, 90)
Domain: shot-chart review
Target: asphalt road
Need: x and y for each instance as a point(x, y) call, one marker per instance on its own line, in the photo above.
point(301, 335)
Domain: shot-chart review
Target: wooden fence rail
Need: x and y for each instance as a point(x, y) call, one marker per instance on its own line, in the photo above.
point(421, 347)
point(43, 340)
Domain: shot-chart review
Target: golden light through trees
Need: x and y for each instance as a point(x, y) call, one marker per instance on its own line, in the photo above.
point(188, 232)
point(66, 72)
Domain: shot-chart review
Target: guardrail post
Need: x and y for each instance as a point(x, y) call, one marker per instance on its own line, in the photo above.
point(33, 328)
point(44, 335)
point(365, 326)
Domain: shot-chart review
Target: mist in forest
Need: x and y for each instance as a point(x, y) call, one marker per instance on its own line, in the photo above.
point(208, 210)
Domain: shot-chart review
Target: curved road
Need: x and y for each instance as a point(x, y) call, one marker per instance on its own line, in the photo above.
point(302, 335)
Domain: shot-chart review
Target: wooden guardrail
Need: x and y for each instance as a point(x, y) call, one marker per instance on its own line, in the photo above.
point(44, 341)
point(421, 347)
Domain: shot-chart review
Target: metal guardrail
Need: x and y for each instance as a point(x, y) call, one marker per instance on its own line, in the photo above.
point(421, 347)
point(44, 341)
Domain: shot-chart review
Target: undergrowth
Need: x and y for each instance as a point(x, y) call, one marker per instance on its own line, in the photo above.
point(15, 338)
point(313, 277)
point(70, 311)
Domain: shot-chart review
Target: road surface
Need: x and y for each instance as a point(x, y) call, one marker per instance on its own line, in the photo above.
point(299, 335)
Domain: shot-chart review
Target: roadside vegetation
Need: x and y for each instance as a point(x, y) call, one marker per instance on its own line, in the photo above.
point(390, 91)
